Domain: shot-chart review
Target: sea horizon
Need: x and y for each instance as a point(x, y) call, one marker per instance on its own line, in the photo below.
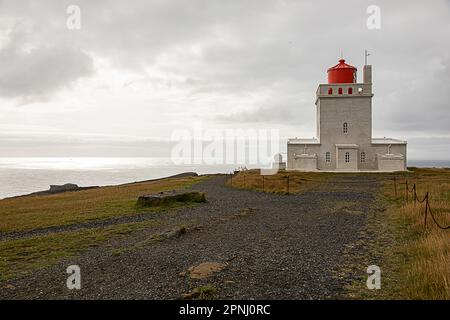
point(24, 175)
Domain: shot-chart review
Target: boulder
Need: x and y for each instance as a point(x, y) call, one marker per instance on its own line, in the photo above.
point(168, 197)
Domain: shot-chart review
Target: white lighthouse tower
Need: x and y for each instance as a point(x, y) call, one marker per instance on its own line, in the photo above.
point(343, 139)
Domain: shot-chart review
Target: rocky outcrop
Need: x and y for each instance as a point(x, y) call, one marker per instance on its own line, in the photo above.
point(63, 188)
point(55, 189)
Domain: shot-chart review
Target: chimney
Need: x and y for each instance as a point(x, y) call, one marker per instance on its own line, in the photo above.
point(367, 74)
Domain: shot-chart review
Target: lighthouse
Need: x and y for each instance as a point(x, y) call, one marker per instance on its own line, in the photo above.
point(344, 139)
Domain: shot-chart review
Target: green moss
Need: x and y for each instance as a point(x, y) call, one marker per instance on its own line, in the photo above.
point(18, 257)
point(205, 291)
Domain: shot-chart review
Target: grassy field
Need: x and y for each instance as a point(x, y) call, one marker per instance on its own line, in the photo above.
point(31, 212)
point(421, 268)
point(19, 256)
point(415, 259)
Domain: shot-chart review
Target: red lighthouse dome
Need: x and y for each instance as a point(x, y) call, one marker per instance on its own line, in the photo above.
point(342, 73)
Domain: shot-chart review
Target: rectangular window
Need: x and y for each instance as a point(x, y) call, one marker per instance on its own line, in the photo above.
point(328, 157)
point(347, 157)
point(363, 157)
point(340, 90)
point(345, 127)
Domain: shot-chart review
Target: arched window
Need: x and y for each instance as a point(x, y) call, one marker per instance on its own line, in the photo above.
point(327, 156)
point(345, 128)
point(350, 90)
point(330, 90)
point(340, 90)
point(363, 157)
point(347, 157)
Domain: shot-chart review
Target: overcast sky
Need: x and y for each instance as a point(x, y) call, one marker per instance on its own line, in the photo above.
point(138, 70)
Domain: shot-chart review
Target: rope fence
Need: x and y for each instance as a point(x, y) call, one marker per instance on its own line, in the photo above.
point(283, 183)
point(264, 182)
point(261, 183)
point(415, 198)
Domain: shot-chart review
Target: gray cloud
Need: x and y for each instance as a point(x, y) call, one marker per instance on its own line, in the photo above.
point(73, 146)
point(281, 112)
point(215, 51)
point(424, 100)
point(32, 71)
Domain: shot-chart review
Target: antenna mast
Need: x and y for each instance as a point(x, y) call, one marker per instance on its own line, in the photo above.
point(366, 54)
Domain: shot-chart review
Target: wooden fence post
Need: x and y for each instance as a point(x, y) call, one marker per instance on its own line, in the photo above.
point(406, 190)
point(287, 184)
point(426, 210)
point(395, 187)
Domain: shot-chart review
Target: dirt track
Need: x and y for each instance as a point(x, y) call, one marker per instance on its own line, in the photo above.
point(274, 247)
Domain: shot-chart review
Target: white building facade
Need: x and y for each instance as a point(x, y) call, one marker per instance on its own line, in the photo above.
point(343, 139)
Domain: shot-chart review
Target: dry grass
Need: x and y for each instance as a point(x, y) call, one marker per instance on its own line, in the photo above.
point(278, 183)
point(27, 213)
point(427, 273)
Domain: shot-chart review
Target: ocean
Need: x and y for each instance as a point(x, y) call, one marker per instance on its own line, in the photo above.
point(20, 176)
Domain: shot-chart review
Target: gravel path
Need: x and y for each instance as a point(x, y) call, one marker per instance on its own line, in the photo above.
point(274, 247)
